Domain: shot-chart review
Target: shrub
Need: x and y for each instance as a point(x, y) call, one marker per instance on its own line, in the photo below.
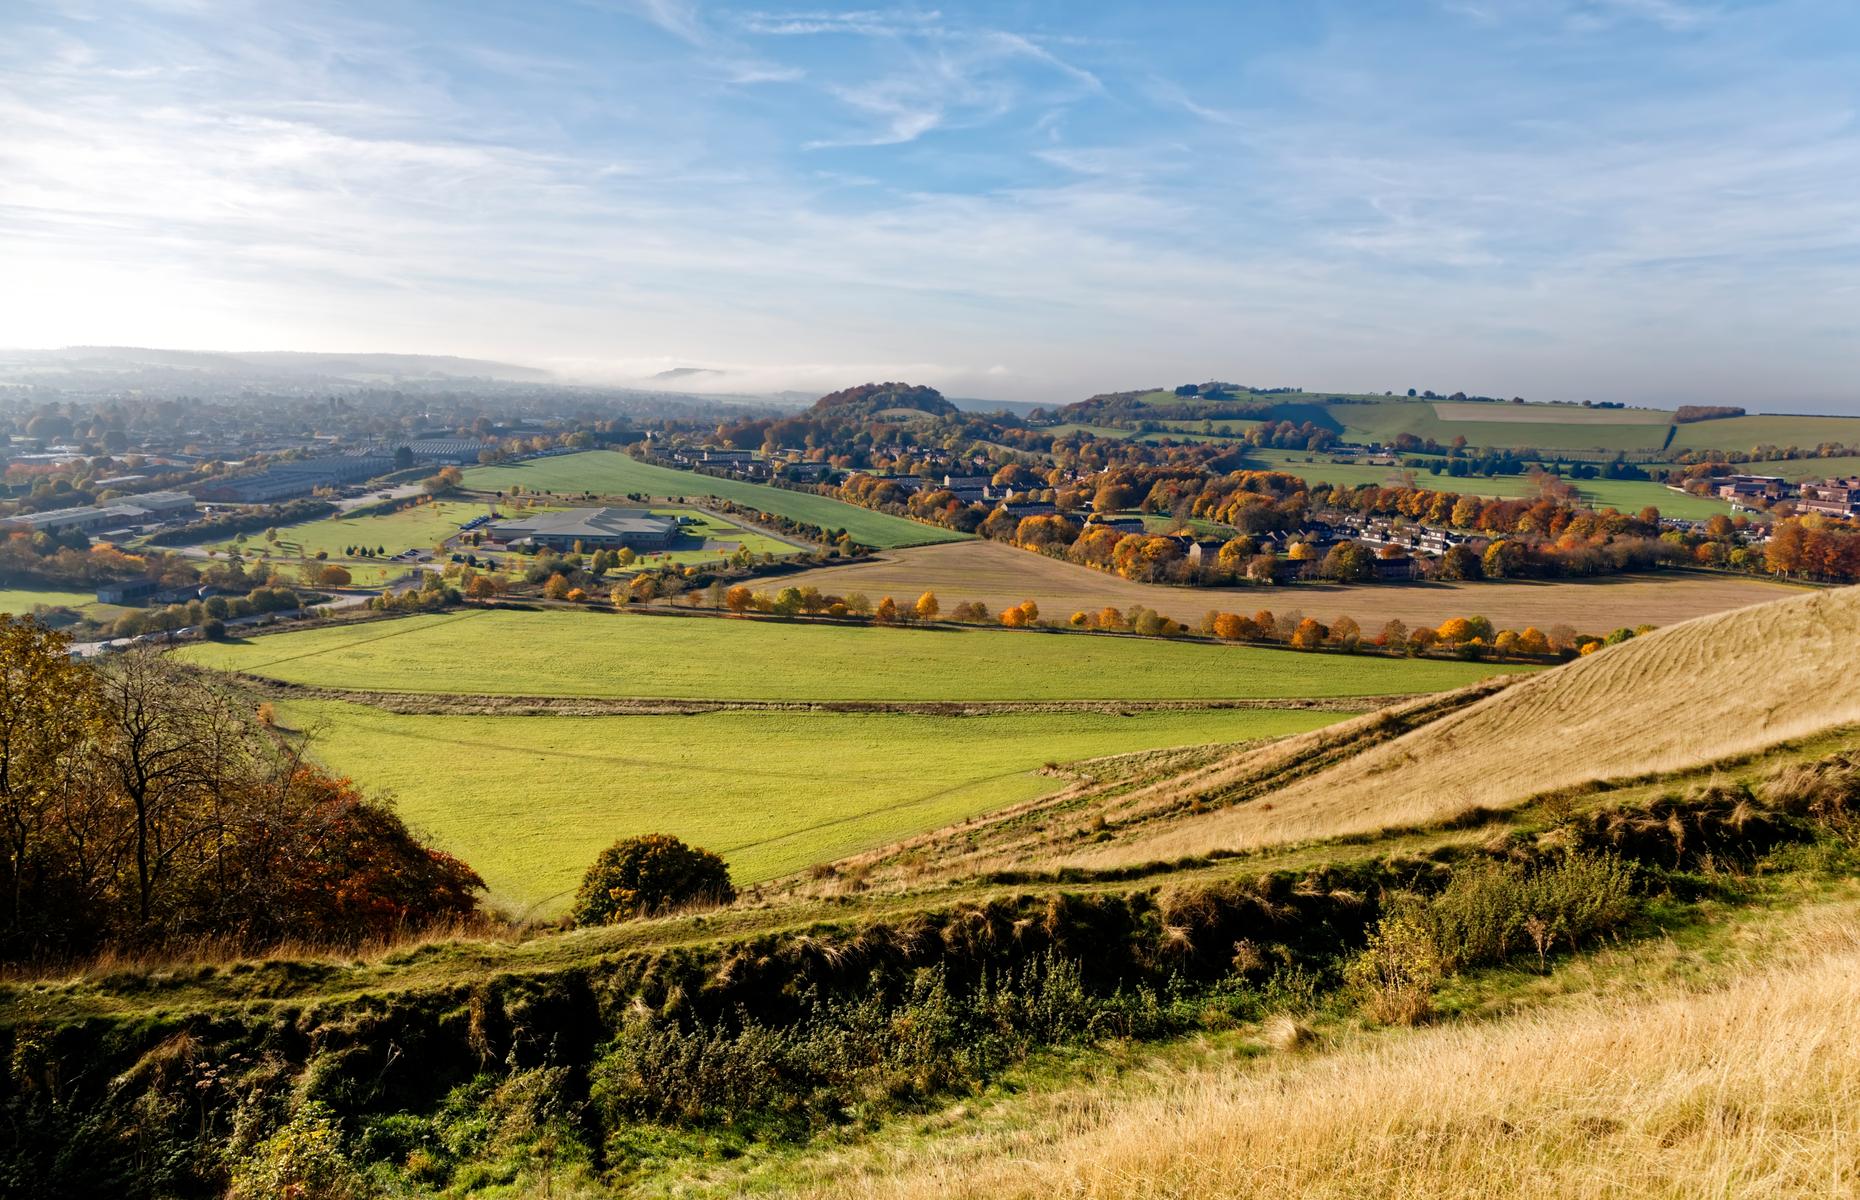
point(1401, 967)
point(640, 876)
point(303, 1158)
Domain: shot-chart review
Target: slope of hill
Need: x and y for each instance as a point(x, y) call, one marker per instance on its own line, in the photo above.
point(1719, 686)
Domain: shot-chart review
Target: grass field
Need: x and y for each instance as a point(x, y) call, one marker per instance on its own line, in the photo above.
point(1540, 414)
point(588, 654)
point(608, 472)
point(420, 527)
point(1795, 470)
point(1747, 433)
point(528, 801)
point(20, 601)
point(1000, 576)
point(1628, 495)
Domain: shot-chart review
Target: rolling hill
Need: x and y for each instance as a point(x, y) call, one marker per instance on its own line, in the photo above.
point(1710, 689)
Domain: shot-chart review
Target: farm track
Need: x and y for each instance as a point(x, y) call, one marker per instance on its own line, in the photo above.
point(431, 704)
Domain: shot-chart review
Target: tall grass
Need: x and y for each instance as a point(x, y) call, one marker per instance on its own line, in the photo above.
point(1751, 1090)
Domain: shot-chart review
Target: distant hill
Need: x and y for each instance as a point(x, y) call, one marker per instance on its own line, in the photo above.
point(883, 401)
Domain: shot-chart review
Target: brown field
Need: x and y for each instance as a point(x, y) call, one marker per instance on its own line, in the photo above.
point(1000, 576)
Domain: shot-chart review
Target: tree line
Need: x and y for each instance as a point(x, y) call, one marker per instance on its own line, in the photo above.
point(143, 803)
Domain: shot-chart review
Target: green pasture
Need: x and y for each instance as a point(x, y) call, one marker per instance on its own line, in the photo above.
point(570, 653)
point(1796, 470)
point(420, 527)
point(20, 602)
point(529, 801)
point(1748, 433)
point(610, 473)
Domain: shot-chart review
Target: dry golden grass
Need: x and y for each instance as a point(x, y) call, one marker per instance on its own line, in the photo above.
point(1718, 686)
point(1001, 576)
point(1750, 1090)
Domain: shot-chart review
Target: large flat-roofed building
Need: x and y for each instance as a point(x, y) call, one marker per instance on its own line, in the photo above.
point(298, 477)
point(593, 528)
point(1834, 497)
point(129, 512)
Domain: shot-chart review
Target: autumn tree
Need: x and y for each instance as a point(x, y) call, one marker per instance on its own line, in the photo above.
point(887, 611)
point(1309, 635)
point(557, 587)
point(926, 607)
point(1348, 562)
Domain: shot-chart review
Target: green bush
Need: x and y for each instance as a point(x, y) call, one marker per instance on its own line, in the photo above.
point(653, 873)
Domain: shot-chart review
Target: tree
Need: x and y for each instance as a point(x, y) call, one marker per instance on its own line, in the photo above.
point(1309, 635)
point(557, 587)
point(1348, 562)
point(1394, 635)
point(403, 458)
point(333, 576)
point(1459, 562)
point(738, 599)
point(1503, 559)
point(926, 607)
point(483, 587)
point(887, 611)
point(1230, 627)
point(1021, 615)
point(650, 874)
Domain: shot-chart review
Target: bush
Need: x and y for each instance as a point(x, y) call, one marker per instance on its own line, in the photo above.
point(640, 876)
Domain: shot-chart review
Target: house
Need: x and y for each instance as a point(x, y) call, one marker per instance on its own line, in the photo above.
point(593, 528)
point(1833, 497)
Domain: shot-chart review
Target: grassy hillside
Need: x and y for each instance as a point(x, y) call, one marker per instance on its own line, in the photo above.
point(1627, 495)
point(1721, 685)
point(593, 654)
point(530, 800)
point(1748, 433)
point(610, 473)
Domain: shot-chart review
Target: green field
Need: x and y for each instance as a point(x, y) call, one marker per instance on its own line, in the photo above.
point(1795, 470)
point(1627, 495)
point(599, 654)
point(528, 801)
point(610, 473)
point(420, 527)
point(19, 601)
point(1747, 433)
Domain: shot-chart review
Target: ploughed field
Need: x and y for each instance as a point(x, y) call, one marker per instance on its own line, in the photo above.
point(1000, 575)
point(611, 473)
point(426, 707)
point(624, 656)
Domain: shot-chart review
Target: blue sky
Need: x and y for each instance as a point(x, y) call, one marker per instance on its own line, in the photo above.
point(1614, 199)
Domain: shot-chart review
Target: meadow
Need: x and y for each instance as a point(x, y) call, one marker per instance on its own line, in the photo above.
point(620, 656)
point(529, 801)
point(419, 527)
point(999, 576)
point(1748, 433)
point(611, 473)
point(22, 600)
point(1795, 470)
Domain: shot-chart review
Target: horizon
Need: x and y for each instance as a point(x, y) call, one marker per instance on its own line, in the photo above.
point(1652, 202)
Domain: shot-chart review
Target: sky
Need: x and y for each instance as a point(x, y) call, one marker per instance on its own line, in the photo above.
point(1645, 200)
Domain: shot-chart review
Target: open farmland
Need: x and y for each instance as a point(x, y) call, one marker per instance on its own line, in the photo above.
point(1748, 433)
point(1539, 414)
point(1795, 470)
point(611, 473)
point(618, 656)
point(419, 527)
point(1001, 575)
point(1627, 495)
point(22, 600)
point(529, 801)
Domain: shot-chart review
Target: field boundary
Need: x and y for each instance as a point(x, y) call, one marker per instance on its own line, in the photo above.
point(454, 704)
